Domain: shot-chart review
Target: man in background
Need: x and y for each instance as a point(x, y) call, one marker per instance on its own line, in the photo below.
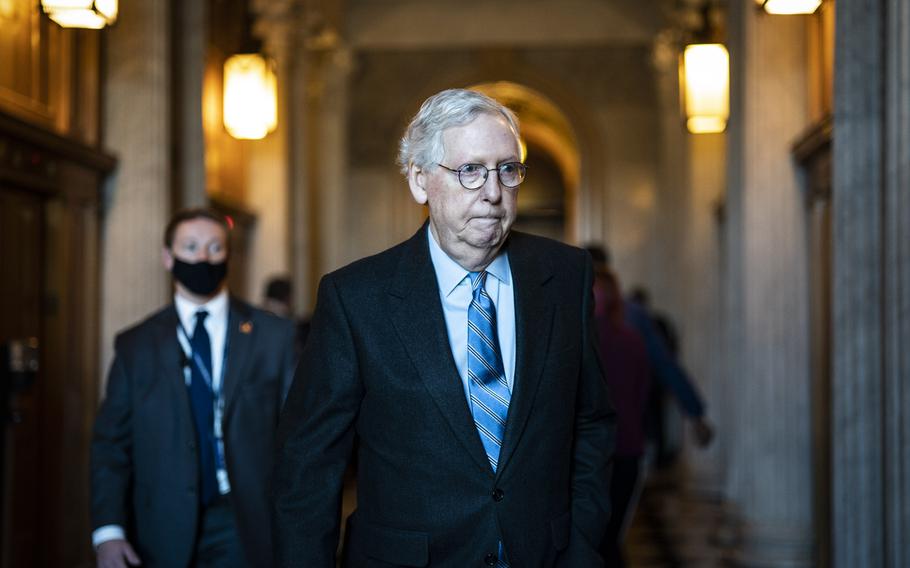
point(182, 447)
point(279, 300)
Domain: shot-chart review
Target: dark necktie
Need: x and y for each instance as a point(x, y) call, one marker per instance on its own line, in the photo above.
point(202, 400)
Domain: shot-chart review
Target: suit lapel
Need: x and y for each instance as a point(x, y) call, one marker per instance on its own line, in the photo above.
point(170, 358)
point(416, 314)
point(240, 335)
point(533, 323)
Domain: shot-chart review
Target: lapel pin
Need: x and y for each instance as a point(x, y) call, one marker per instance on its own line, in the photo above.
point(246, 327)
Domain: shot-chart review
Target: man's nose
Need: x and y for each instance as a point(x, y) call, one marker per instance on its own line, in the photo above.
point(492, 188)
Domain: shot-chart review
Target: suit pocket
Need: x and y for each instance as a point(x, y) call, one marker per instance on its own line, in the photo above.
point(397, 547)
point(559, 530)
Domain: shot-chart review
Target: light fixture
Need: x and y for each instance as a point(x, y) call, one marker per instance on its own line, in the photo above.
point(706, 89)
point(90, 14)
point(250, 96)
point(790, 7)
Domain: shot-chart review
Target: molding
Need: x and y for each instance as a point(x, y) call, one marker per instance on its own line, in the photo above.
point(814, 140)
point(61, 147)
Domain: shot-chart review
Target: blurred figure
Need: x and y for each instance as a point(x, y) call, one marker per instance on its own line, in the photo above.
point(665, 369)
point(183, 442)
point(625, 363)
point(689, 398)
point(279, 299)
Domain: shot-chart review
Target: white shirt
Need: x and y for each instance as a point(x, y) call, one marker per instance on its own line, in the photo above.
point(216, 324)
point(456, 294)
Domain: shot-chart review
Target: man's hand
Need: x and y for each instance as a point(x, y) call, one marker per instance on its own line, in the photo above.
point(117, 553)
point(704, 432)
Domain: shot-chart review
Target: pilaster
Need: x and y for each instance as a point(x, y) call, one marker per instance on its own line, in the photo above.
point(137, 196)
point(769, 460)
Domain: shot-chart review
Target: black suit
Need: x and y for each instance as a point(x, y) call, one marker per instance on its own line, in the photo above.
point(145, 473)
point(378, 364)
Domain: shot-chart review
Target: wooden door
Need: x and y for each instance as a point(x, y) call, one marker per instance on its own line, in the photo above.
point(21, 291)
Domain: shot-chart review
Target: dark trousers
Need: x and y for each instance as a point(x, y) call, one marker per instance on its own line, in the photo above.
point(218, 542)
point(622, 486)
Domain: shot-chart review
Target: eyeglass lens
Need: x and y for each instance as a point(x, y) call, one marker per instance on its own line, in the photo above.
point(472, 176)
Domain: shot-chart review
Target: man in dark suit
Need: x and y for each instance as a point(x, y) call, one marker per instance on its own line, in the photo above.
point(463, 362)
point(183, 443)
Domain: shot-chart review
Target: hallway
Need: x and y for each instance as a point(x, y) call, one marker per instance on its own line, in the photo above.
point(778, 244)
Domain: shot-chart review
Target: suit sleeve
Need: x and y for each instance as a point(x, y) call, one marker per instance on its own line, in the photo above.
point(595, 429)
point(315, 438)
point(111, 452)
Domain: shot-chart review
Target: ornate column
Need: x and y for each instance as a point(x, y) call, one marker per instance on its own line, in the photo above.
point(871, 289)
point(897, 283)
point(137, 196)
point(692, 183)
point(269, 166)
point(700, 295)
point(333, 158)
point(318, 147)
point(188, 67)
point(770, 428)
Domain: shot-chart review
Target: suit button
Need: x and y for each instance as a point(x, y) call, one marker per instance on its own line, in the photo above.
point(490, 559)
point(498, 495)
point(191, 445)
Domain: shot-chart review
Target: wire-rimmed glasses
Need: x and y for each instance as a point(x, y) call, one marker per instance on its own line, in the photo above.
point(473, 176)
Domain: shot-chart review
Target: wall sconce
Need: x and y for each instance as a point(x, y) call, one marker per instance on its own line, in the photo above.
point(706, 87)
point(790, 7)
point(250, 96)
point(89, 14)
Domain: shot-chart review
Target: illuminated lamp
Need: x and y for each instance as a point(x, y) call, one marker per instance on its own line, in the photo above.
point(706, 87)
point(790, 7)
point(250, 96)
point(89, 14)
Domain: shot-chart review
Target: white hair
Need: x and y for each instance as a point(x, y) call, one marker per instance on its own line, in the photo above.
point(422, 143)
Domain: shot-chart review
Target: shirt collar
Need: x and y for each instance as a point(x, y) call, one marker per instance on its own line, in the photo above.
point(186, 310)
point(449, 273)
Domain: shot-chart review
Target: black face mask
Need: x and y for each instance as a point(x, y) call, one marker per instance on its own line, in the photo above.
point(200, 278)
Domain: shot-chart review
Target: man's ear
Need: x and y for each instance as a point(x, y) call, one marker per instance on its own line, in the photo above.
point(417, 181)
point(167, 259)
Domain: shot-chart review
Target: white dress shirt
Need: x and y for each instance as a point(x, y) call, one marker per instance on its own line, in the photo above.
point(456, 294)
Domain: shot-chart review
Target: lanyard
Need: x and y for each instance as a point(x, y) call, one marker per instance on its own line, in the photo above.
point(192, 357)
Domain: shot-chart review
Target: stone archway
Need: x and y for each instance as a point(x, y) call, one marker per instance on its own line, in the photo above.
point(548, 199)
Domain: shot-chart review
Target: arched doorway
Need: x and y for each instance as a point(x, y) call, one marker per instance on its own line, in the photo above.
point(546, 203)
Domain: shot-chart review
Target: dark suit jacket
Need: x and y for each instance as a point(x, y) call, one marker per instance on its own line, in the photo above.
point(378, 365)
point(145, 473)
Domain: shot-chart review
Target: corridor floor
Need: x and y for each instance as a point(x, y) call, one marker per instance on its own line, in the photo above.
point(677, 528)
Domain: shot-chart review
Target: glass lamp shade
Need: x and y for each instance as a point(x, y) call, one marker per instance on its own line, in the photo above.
point(90, 14)
point(706, 87)
point(790, 7)
point(250, 96)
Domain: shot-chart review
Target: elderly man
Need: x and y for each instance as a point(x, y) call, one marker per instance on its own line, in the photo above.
point(183, 444)
point(463, 362)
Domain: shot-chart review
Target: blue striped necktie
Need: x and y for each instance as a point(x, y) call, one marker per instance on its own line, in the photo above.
point(489, 389)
